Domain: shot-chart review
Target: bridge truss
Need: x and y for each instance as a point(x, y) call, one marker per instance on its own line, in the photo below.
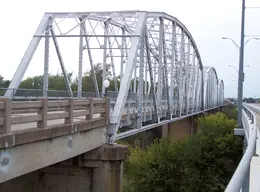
point(155, 64)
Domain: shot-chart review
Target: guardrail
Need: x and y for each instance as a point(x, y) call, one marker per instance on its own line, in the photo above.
point(240, 179)
point(42, 110)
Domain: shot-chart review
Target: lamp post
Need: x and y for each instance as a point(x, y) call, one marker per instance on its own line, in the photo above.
point(106, 84)
point(241, 65)
point(241, 69)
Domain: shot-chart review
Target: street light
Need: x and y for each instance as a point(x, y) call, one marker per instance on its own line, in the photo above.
point(106, 84)
point(255, 38)
point(228, 38)
point(234, 76)
point(241, 65)
point(236, 68)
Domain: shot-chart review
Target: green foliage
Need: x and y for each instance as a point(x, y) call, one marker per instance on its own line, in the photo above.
point(216, 125)
point(88, 83)
point(250, 100)
point(3, 84)
point(201, 163)
point(57, 82)
point(32, 83)
point(231, 112)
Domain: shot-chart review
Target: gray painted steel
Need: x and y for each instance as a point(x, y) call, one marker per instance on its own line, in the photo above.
point(159, 64)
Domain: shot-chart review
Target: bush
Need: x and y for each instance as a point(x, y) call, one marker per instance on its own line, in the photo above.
point(231, 112)
point(201, 163)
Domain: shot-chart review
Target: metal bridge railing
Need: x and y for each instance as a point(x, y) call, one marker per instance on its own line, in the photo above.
point(32, 94)
point(240, 179)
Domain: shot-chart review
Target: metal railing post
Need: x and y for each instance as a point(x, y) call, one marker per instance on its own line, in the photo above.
point(6, 115)
point(70, 110)
point(43, 111)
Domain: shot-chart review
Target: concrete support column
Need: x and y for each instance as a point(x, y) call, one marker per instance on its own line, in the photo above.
point(108, 177)
point(191, 128)
point(107, 164)
point(165, 130)
point(180, 129)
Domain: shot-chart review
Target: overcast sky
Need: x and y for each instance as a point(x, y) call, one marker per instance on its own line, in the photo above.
point(207, 20)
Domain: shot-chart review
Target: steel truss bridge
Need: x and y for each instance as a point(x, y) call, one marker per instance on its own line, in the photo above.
point(156, 68)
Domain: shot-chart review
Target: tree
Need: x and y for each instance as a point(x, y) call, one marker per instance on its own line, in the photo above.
point(249, 100)
point(56, 82)
point(88, 78)
point(4, 83)
point(212, 156)
point(32, 83)
point(201, 163)
point(1, 80)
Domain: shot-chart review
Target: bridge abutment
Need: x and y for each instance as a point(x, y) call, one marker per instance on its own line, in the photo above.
point(99, 170)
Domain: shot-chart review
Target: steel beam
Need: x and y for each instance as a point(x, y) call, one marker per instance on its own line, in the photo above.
point(173, 64)
point(187, 76)
point(115, 117)
point(104, 74)
point(192, 82)
point(152, 85)
point(160, 68)
point(196, 89)
point(140, 86)
point(166, 84)
point(201, 90)
point(134, 86)
point(61, 63)
point(112, 63)
point(182, 74)
point(17, 78)
point(73, 36)
point(83, 27)
point(122, 54)
point(46, 63)
point(80, 63)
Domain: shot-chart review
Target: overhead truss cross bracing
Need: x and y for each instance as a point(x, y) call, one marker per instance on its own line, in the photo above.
point(150, 58)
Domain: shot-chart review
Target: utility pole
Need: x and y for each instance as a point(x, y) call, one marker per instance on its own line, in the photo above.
point(241, 70)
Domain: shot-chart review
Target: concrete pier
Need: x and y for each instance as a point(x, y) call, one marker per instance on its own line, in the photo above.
point(100, 170)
